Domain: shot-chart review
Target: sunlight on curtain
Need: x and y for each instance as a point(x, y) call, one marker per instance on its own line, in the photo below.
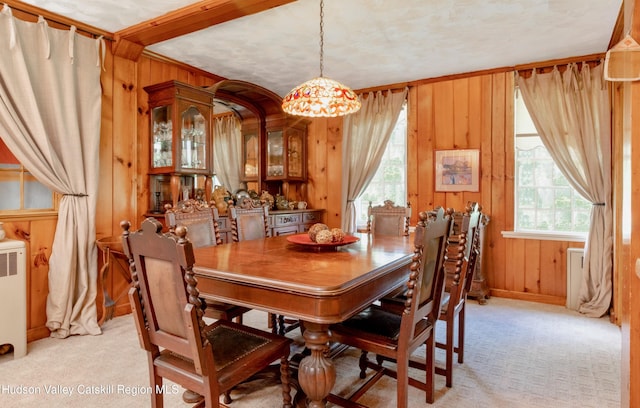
point(50, 112)
point(365, 138)
point(227, 139)
point(572, 115)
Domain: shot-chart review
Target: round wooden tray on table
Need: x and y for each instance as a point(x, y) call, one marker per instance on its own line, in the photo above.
point(303, 239)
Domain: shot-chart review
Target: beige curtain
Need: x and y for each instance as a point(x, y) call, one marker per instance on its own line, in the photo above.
point(571, 111)
point(50, 102)
point(365, 138)
point(227, 150)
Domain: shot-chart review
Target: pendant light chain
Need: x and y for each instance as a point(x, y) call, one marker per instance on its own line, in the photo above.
point(321, 97)
point(321, 36)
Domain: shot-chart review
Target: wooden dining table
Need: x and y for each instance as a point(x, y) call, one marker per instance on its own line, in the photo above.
point(318, 285)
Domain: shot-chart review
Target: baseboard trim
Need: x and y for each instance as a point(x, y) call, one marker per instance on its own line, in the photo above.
point(37, 333)
point(531, 297)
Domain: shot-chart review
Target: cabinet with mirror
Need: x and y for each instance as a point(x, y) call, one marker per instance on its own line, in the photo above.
point(181, 145)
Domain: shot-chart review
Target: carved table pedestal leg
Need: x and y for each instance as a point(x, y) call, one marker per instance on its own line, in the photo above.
point(316, 373)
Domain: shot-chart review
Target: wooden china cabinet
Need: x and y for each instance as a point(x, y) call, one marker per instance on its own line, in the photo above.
point(285, 155)
point(181, 142)
point(273, 156)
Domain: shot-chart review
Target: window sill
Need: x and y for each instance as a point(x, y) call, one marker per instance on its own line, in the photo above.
point(542, 236)
point(27, 215)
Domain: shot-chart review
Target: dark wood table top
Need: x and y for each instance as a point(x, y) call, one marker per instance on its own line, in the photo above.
point(322, 286)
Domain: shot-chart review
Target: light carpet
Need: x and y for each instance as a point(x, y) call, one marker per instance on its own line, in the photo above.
point(517, 355)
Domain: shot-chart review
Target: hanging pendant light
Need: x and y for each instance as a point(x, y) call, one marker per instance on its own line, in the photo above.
point(321, 97)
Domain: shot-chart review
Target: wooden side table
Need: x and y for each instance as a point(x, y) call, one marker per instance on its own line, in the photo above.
point(113, 257)
point(479, 288)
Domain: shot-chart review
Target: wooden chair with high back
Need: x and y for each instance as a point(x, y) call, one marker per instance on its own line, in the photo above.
point(462, 252)
point(202, 224)
point(395, 336)
point(388, 219)
point(249, 223)
point(165, 302)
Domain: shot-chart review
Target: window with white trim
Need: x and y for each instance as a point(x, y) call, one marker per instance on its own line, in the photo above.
point(390, 181)
point(544, 200)
point(20, 190)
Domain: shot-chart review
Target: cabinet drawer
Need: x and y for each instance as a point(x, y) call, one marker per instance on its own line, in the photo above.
point(282, 220)
point(289, 230)
point(312, 217)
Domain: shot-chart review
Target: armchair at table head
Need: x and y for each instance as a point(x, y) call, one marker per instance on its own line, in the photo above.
point(249, 223)
point(165, 302)
point(389, 219)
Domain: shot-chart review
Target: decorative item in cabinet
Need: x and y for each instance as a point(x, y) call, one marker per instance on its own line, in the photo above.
point(162, 189)
point(286, 155)
point(180, 134)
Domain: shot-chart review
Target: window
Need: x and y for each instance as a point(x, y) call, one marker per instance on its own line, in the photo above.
point(20, 190)
point(544, 200)
point(390, 181)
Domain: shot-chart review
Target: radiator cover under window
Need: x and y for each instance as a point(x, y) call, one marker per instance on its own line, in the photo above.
point(13, 296)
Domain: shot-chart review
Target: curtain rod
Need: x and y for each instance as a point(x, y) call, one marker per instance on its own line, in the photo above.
point(546, 65)
point(57, 19)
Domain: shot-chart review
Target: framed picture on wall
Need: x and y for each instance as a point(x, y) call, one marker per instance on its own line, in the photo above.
point(457, 170)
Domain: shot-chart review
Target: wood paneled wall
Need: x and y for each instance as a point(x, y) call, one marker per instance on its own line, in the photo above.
point(466, 113)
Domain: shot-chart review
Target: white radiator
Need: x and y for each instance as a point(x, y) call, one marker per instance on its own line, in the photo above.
point(13, 296)
point(575, 259)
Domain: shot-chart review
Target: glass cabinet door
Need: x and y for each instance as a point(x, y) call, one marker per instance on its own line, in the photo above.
point(275, 154)
point(250, 156)
point(193, 139)
point(295, 153)
point(162, 130)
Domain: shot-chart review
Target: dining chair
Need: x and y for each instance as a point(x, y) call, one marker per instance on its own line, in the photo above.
point(393, 336)
point(462, 252)
point(388, 219)
point(202, 224)
point(249, 223)
point(208, 359)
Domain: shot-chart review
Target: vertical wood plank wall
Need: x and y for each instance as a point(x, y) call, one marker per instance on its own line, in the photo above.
point(468, 113)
